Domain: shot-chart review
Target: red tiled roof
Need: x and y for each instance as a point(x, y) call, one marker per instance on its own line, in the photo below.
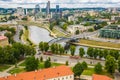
point(42, 74)
point(100, 77)
point(2, 37)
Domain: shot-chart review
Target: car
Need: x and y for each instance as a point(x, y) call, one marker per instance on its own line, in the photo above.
point(75, 57)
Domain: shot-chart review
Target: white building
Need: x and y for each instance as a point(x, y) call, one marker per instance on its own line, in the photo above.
point(72, 28)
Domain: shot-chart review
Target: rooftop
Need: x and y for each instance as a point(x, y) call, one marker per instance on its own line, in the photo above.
point(41, 74)
point(2, 37)
point(101, 77)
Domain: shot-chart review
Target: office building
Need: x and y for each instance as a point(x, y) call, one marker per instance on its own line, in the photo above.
point(48, 8)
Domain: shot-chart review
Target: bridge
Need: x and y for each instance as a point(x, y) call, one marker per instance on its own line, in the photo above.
point(72, 38)
point(59, 39)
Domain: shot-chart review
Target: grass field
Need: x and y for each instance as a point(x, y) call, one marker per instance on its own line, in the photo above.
point(17, 70)
point(21, 67)
point(3, 67)
point(108, 45)
point(90, 72)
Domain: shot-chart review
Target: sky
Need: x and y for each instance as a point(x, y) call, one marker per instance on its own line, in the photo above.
point(62, 3)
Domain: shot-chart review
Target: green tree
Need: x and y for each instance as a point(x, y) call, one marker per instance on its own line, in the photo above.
point(72, 49)
point(46, 46)
point(90, 52)
point(31, 63)
point(84, 64)
point(98, 68)
point(66, 63)
point(78, 69)
point(105, 51)
point(64, 27)
point(41, 59)
point(49, 58)
point(95, 53)
point(119, 64)
point(81, 52)
point(77, 32)
point(47, 64)
point(110, 64)
point(100, 54)
point(41, 46)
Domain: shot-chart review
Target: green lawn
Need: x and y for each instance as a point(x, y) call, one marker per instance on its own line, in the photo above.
point(17, 70)
point(21, 69)
point(89, 71)
point(4, 67)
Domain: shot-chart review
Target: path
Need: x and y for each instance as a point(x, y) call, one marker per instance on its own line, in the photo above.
point(5, 72)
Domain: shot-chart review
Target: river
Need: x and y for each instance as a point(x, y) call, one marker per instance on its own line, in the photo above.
point(38, 34)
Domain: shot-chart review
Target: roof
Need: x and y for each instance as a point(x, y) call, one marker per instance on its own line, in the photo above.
point(101, 77)
point(42, 74)
point(2, 37)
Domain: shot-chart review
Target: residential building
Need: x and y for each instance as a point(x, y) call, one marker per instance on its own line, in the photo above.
point(3, 41)
point(100, 77)
point(56, 73)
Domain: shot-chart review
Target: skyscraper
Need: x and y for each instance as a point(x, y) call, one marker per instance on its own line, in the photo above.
point(48, 8)
point(37, 9)
point(57, 9)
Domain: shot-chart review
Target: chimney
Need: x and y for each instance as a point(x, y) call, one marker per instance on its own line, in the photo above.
point(6, 77)
point(15, 75)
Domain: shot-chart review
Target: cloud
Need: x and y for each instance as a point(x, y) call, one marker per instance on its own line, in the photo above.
point(63, 3)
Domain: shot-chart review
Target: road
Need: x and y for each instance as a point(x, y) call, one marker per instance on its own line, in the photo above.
point(62, 59)
point(16, 37)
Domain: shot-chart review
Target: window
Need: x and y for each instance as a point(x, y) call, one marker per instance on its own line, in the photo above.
point(66, 77)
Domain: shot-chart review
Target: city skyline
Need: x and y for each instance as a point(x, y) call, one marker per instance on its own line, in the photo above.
point(62, 3)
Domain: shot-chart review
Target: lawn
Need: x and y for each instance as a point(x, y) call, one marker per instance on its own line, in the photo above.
point(17, 70)
point(108, 45)
point(4, 67)
point(41, 64)
point(21, 68)
point(90, 72)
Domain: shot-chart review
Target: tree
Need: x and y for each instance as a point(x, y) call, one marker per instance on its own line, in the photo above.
point(95, 53)
point(61, 50)
point(64, 27)
point(90, 52)
point(31, 63)
point(98, 68)
point(72, 49)
point(100, 54)
point(119, 64)
point(110, 64)
point(49, 58)
point(41, 46)
point(41, 59)
point(47, 64)
point(66, 63)
point(84, 64)
point(77, 32)
point(78, 69)
point(105, 53)
point(81, 52)
point(46, 46)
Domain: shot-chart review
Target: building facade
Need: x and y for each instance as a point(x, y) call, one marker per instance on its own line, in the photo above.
point(56, 73)
point(3, 41)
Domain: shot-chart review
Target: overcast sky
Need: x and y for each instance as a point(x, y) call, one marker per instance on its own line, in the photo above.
point(63, 3)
